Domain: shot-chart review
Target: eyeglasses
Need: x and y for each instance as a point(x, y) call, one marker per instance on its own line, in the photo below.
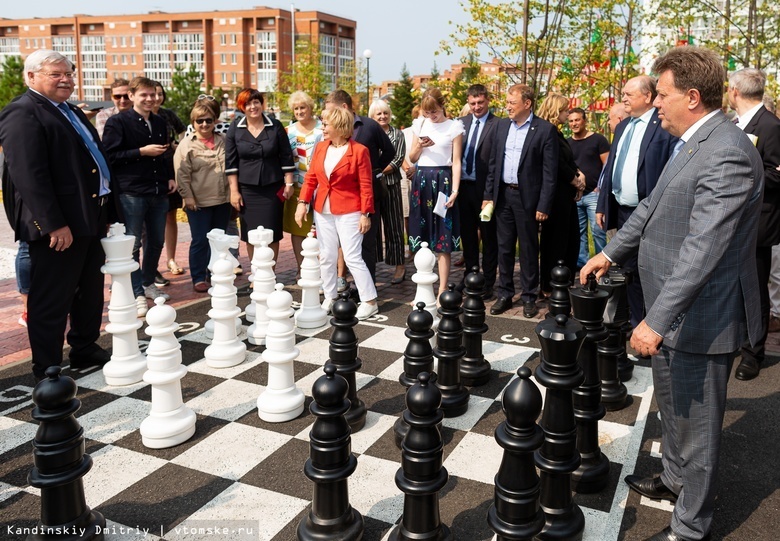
point(58, 75)
point(206, 121)
point(206, 97)
point(119, 97)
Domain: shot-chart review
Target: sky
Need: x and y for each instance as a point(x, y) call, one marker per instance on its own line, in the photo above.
point(396, 32)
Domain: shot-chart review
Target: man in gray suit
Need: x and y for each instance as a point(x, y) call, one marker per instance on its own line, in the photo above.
point(696, 237)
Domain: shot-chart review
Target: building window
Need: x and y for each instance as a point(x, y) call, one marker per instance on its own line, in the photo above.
point(8, 47)
point(328, 59)
point(223, 38)
point(234, 78)
point(266, 61)
point(223, 59)
point(124, 60)
point(233, 39)
point(132, 41)
point(188, 51)
point(224, 78)
point(157, 58)
point(113, 42)
point(233, 58)
point(123, 41)
point(93, 67)
point(114, 59)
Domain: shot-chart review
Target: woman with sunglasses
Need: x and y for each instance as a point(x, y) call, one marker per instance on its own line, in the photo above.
point(260, 167)
point(200, 175)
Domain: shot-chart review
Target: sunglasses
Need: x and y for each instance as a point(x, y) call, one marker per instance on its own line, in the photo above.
point(119, 97)
point(204, 121)
point(206, 97)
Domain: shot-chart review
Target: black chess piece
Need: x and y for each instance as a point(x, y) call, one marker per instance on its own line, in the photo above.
point(588, 303)
point(449, 351)
point(625, 365)
point(560, 283)
point(418, 357)
point(343, 353)
point(560, 339)
point(60, 463)
point(330, 464)
point(474, 369)
point(515, 514)
point(613, 391)
point(422, 475)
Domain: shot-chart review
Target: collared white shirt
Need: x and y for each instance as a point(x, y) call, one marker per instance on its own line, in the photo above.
point(698, 124)
point(513, 150)
point(480, 127)
point(745, 119)
point(629, 193)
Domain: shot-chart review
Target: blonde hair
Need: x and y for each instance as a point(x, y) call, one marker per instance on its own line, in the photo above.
point(201, 110)
point(551, 107)
point(299, 97)
point(379, 106)
point(340, 120)
point(432, 99)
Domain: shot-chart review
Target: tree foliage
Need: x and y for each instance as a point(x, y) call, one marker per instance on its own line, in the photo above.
point(185, 88)
point(307, 75)
point(11, 80)
point(403, 100)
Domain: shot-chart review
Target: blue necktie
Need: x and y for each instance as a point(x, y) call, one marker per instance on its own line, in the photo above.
point(617, 177)
point(677, 148)
point(471, 148)
point(105, 176)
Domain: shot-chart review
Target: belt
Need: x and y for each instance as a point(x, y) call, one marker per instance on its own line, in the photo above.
point(510, 186)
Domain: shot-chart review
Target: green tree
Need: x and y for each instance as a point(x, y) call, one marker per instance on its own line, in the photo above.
point(11, 80)
point(307, 74)
point(403, 100)
point(185, 88)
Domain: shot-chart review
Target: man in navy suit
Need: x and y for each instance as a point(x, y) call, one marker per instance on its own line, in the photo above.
point(59, 196)
point(521, 181)
point(478, 141)
point(746, 94)
point(639, 153)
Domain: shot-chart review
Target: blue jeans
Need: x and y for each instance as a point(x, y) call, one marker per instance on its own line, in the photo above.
point(23, 268)
point(145, 214)
point(202, 221)
point(586, 209)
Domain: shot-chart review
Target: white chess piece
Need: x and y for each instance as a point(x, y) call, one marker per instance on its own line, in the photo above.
point(282, 400)
point(256, 237)
point(424, 260)
point(127, 364)
point(220, 244)
point(310, 315)
point(264, 279)
point(170, 421)
point(226, 349)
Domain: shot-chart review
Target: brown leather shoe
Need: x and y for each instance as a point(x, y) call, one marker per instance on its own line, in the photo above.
point(201, 287)
point(652, 487)
point(773, 325)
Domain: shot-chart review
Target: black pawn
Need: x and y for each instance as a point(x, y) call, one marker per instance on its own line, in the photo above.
point(344, 354)
point(474, 369)
point(330, 464)
point(613, 392)
point(560, 339)
point(515, 514)
point(560, 283)
point(418, 357)
point(60, 462)
point(422, 475)
point(449, 351)
point(588, 305)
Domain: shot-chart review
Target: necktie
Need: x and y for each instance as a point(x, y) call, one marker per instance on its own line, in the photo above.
point(677, 148)
point(617, 177)
point(471, 148)
point(91, 146)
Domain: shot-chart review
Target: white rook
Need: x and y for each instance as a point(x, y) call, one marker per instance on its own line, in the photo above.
point(226, 349)
point(282, 400)
point(127, 364)
point(310, 315)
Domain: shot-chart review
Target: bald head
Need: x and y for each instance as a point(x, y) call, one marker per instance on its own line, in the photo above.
point(616, 113)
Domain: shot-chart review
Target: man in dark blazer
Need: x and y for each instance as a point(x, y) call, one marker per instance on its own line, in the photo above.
point(746, 94)
point(520, 184)
point(136, 141)
point(696, 237)
point(59, 198)
point(644, 157)
point(478, 140)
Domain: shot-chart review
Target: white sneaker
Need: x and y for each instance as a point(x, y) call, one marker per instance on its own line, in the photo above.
point(342, 284)
point(140, 304)
point(327, 305)
point(366, 310)
point(152, 292)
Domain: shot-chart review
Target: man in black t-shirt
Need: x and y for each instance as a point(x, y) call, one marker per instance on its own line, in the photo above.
point(590, 154)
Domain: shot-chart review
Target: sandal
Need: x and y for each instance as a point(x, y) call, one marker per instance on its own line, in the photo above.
point(174, 268)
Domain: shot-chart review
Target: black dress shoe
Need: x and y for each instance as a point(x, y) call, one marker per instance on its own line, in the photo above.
point(668, 535)
point(92, 355)
point(748, 369)
point(530, 309)
point(502, 305)
point(652, 487)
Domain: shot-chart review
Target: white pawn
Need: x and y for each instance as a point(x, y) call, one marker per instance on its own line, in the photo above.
point(311, 315)
point(127, 364)
point(256, 237)
point(424, 260)
point(282, 400)
point(170, 421)
point(220, 244)
point(263, 279)
point(226, 349)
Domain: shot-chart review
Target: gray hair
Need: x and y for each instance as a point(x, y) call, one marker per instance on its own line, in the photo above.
point(37, 59)
point(769, 103)
point(750, 82)
point(379, 106)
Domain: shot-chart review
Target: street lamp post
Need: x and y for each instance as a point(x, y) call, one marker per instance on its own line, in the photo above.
point(367, 55)
point(225, 105)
